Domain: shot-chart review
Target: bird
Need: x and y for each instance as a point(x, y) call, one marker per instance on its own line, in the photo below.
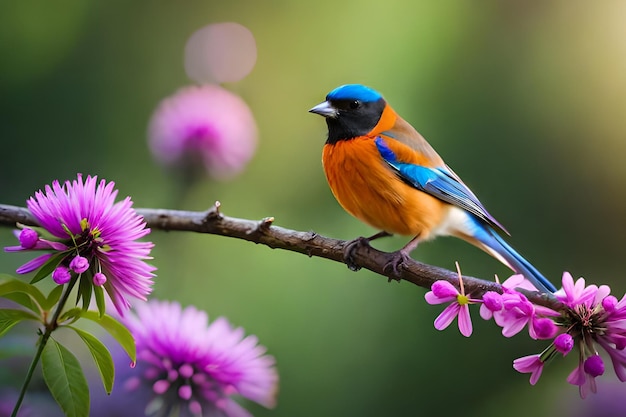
point(384, 173)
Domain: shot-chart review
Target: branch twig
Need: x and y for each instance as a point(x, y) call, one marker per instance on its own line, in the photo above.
point(212, 221)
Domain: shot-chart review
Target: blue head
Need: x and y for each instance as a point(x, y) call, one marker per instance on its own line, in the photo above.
point(354, 92)
point(350, 110)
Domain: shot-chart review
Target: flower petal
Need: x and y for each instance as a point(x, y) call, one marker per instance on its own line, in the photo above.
point(33, 264)
point(447, 316)
point(465, 321)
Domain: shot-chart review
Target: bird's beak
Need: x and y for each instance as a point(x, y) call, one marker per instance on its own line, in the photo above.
point(324, 109)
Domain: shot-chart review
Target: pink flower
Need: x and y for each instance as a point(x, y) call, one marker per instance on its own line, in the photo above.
point(584, 375)
point(574, 294)
point(444, 292)
point(517, 312)
point(205, 124)
point(529, 364)
point(190, 366)
point(592, 318)
point(95, 233)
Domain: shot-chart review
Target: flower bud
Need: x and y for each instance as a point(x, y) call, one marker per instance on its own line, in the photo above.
point(594, 365)
point(99, 279)
point(443, 289)
point(79, 264)
point(609, 303)
point(544, 328)
point(492, 300)
point(564, 343)
point(61, 275)
point(28, 238)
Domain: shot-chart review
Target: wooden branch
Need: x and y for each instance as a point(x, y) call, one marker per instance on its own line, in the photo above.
point(311, 244)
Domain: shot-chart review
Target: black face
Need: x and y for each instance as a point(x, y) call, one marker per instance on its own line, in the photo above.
point(354, 118)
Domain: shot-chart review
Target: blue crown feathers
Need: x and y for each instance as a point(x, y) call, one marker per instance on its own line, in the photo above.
point(354, 92)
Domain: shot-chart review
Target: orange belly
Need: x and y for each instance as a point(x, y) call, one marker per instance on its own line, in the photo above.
point(368, 189)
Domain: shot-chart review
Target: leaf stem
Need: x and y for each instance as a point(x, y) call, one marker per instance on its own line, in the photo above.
point(50, 326)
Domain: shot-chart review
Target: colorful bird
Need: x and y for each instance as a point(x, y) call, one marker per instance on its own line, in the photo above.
point(384, 173)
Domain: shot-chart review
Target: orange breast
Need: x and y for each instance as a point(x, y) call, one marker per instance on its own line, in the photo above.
point(367, 188)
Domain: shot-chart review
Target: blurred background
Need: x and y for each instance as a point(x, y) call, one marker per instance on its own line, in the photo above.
point(524, 99)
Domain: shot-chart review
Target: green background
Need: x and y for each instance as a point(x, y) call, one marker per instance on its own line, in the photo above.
point(524, 99)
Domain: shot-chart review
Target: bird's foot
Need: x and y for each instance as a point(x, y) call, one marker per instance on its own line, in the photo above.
point(395, 264)
point(399, 259)
point(351, 246)
point(348, 252)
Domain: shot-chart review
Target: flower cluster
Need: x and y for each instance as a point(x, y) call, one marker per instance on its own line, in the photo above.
point(585, 317)
point(188, 367)
point(87, 235)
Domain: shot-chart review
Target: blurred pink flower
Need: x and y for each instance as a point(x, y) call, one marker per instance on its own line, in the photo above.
point(189, 367)
point(207, 123)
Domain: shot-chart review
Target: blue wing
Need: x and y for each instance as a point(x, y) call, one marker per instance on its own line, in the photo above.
point(444, 184)
point(439, 182)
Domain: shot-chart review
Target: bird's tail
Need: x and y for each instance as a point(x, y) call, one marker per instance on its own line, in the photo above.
point(488, 239)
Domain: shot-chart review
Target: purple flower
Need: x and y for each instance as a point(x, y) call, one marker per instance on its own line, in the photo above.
point(592, 318)
point(97, 235)
point(207, 124)
point(186, 364)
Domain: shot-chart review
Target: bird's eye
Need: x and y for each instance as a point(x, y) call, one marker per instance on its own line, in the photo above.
point(355, 104)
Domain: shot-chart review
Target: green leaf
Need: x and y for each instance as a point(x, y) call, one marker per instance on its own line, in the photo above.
point(10, 317)
point(24, 300)
point(15, 290)
point(115, 329)
point(72, 314)
point(101, 356)
point(48, 267)
point(84, 290)
point(53, 297)
point(99, 294)
point(65, 379)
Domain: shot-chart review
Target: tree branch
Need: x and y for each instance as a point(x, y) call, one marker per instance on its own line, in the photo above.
point(212, 221)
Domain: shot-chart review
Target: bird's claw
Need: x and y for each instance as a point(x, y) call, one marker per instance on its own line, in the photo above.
point(348, 252)
point(395, 264)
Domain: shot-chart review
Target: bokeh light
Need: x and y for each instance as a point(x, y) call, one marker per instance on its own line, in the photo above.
point(220, 53)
